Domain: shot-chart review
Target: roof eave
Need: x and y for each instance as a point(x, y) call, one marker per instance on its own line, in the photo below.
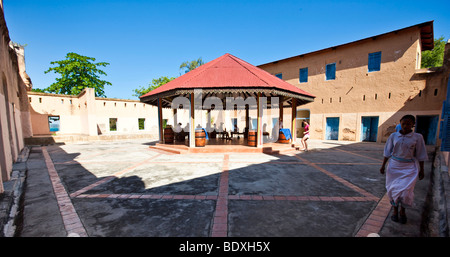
point(272, 91)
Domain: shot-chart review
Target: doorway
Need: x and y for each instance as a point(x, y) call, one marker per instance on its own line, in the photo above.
point(427, 126)
point(302, 115)
point(369, 128)
point(332, 128)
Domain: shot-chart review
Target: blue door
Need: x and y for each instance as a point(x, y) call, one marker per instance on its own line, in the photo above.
point(369, 129)
point(427, 126)
point(332, 129)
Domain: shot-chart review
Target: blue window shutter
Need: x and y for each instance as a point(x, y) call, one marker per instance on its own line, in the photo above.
point(303, 75)
point(445, 134)
point(279, 75)
point(330, 71)
point(374, 63)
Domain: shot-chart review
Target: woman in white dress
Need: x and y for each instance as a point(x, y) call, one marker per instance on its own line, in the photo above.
point(406, 153)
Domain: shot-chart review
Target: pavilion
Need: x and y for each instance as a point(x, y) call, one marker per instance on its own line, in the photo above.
point(222, 78)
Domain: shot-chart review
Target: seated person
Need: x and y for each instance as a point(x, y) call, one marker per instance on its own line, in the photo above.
point(226, 134)
point(236, 130)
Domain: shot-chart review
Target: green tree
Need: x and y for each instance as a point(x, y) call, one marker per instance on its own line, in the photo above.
point(78, 72)
point(188, 66)
point(434, 57)
point(164, 79)
point(154, 84)
point(38, 90)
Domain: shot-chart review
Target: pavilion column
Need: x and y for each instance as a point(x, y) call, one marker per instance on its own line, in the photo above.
point(208, 121)
point(294, 116)
point(175, 117)
point(192, 122)
point(259, 136)
point(280, 120)
point(247, 122)
point(160, 121)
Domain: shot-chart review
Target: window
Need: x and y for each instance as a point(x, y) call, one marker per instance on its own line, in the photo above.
point(234, 121)
point(374, 61)
point(330, 71)
point(112, 124)
point(53, 123)
point(141, 123)
point(279, 75)
point(303, 76)
point(254, 123)
point(418, 61)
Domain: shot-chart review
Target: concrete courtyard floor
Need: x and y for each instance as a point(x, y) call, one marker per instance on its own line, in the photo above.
point(124, 188)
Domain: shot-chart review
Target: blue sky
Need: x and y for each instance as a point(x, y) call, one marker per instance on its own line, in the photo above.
point(143, 40)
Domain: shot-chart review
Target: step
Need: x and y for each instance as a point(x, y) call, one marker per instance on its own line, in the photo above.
point(167, 149)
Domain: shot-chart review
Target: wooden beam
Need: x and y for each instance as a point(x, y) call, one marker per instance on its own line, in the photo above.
point(280, 119)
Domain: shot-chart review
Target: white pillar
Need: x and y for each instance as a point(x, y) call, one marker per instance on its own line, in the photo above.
point(160, 120)
point(259, 136)
point(192, 121)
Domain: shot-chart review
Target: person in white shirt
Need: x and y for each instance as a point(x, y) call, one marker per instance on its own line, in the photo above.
point(406, 153)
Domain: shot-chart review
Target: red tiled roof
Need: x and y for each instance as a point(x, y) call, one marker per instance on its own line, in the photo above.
point(227, 71)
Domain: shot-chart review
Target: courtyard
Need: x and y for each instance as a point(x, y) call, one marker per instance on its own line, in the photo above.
point(126, 188)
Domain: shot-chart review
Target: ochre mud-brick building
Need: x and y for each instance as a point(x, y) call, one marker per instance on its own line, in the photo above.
point(363, 88)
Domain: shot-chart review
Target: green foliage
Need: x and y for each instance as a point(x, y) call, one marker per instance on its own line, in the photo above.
point(164, 79)
point(38, 90)
point(435, 57)
point(78, 72)
point(153, 85)
point(112, 124)
point(188, 66)
point(141, 123)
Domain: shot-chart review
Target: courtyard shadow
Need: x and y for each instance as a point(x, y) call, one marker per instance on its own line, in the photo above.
point(139, 202)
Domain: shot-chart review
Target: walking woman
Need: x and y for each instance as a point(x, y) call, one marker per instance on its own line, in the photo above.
point(406, 153)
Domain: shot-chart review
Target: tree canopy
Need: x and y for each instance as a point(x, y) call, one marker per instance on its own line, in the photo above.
point(188, 66)
point(434, 57)
point(154, 84)
point(191, 65)
point(77, 73)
